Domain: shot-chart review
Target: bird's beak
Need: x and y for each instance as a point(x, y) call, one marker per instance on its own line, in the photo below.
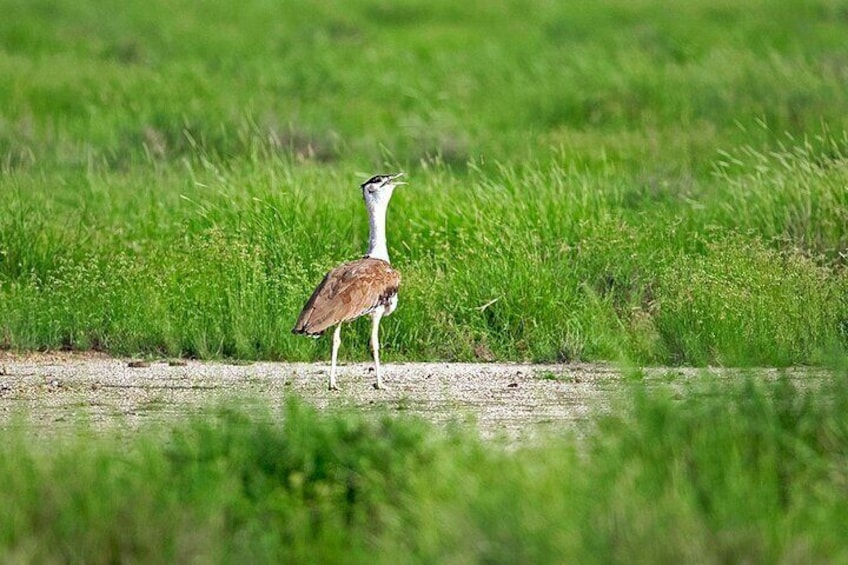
point(396, 176)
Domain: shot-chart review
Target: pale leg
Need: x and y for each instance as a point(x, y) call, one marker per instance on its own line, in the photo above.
point(375, 346)
point(337, 341)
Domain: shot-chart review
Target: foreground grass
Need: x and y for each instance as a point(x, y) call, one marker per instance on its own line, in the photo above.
point(626, 181)
point(732, 472)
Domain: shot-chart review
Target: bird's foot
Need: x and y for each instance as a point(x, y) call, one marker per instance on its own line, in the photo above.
point(333, 386)
point(380, 386)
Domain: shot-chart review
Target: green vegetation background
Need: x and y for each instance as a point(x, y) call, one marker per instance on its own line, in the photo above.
point(614, 180)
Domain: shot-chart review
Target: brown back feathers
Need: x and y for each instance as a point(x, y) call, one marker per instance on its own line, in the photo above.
point(347, 292)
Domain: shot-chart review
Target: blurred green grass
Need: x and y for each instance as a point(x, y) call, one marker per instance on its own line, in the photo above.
point(711, 471)
point(626, 180)
point(498, 79)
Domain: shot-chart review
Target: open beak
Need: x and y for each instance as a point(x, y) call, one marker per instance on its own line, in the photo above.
point(396, 176)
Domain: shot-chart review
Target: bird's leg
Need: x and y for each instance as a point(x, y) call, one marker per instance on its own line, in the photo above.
point(337, 341)
point(375, 347)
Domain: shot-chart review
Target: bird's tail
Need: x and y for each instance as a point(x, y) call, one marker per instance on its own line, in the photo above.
point(301, 330)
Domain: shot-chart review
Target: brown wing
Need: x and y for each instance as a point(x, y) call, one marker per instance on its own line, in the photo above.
point(347, 292)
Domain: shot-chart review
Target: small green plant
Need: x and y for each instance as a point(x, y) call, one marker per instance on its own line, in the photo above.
point(549, 376)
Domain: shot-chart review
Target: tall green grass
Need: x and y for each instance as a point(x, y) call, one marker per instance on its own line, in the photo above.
point(741, 471)
point(218, 262)
point(621, 181)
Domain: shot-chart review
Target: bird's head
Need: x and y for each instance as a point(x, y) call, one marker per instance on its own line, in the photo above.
point(378, 189)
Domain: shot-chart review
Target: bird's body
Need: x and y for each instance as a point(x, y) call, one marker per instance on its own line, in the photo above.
point(348, 292)
point(365, 286)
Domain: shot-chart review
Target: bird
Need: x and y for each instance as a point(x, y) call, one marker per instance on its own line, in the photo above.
point(365, 286)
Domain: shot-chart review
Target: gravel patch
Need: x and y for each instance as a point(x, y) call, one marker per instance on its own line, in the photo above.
point(55, 392)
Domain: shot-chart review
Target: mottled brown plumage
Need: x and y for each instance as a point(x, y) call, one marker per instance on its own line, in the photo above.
point(348, 292)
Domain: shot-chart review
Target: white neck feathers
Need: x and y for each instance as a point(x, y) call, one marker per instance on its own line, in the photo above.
point(377, 248)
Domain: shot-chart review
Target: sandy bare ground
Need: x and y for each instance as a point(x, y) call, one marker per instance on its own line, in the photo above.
point(50, 392)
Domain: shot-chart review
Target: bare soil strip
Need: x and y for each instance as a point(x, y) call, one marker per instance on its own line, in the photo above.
point(54, 392)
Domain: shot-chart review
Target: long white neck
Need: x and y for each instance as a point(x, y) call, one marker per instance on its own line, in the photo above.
point(377, 247)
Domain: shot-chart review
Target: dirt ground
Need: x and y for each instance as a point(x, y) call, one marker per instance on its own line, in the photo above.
point(54, 392)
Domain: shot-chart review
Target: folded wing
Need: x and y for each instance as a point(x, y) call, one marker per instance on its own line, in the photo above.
point(347, 292)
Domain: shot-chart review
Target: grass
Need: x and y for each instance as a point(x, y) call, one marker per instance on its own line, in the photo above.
point(750, 470)
point(621, 181)
point(627, 180)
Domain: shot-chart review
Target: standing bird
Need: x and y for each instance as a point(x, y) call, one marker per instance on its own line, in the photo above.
point(365, 286)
